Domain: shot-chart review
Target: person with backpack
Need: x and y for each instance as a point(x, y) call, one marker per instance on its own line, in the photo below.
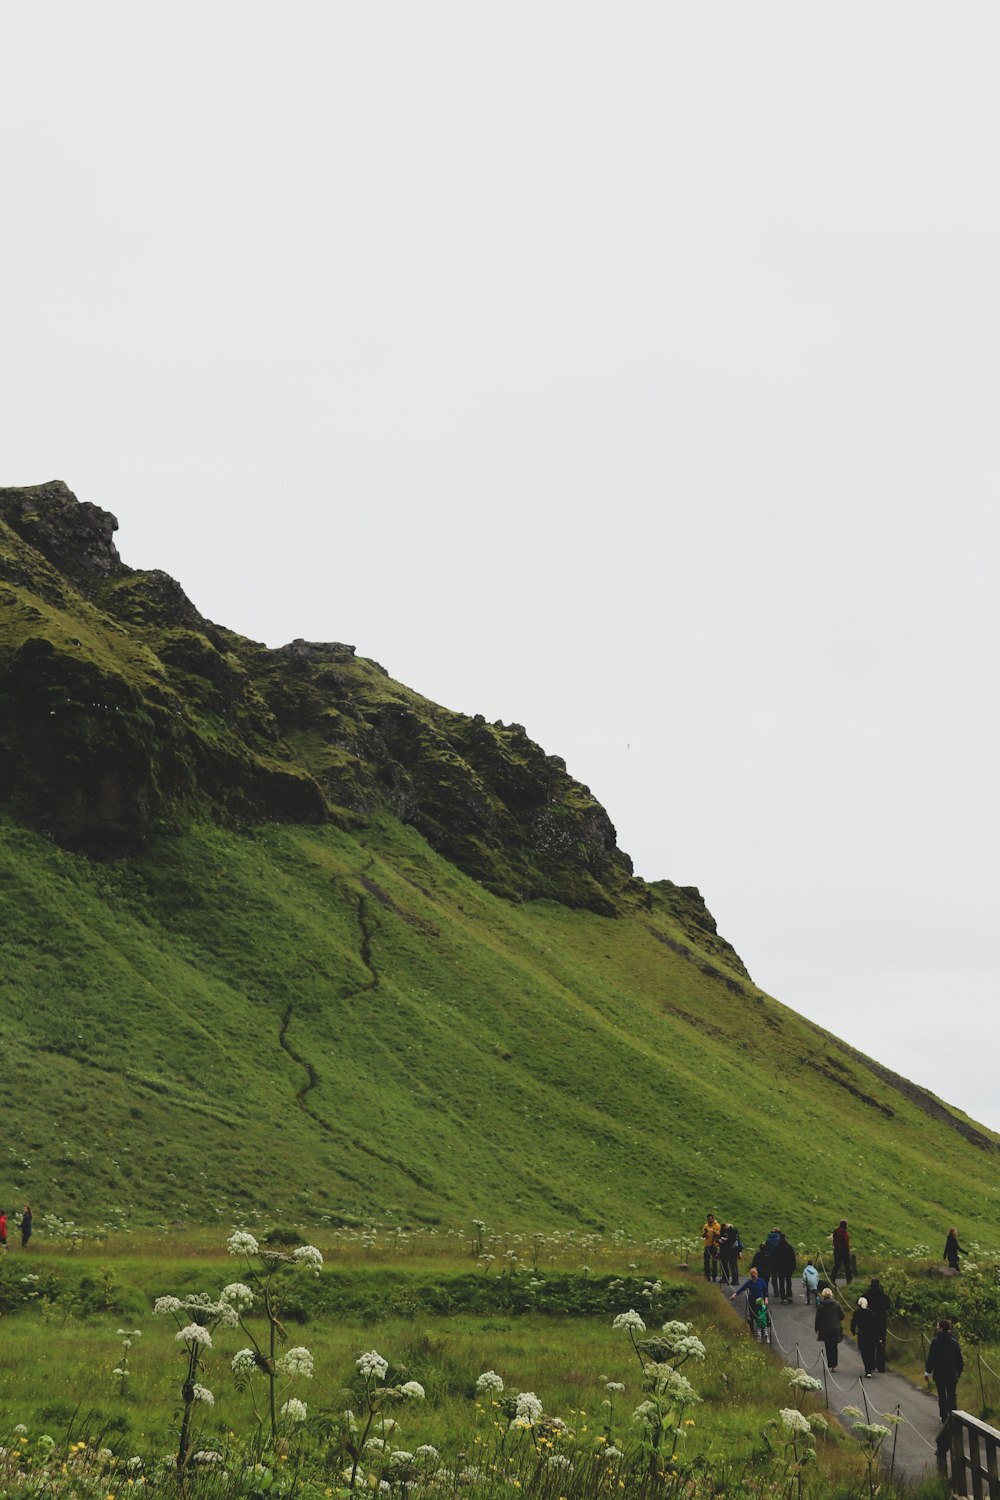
point(26, 1226)
point(841, 1253)
point(827, 1323)
point(944, 1365)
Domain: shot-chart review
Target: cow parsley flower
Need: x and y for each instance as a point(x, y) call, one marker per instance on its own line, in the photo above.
point(528, 1408)
point(242, 1243)
point(630, 1319)
point(237, 1295)
point(400, 1457)
point(614, 1386)
point(202, 1393)
point(489, 1384)
point(428, 1452)
point(799, 1380)
point(194, 1334)
point(244, 1361)
point(167, 1305)
point(298, 1362)
point(413, 1388)
point(294, 1410)
point(309, 1257)
point(612, 1452)
point(207, 1456)
point(372, 1364)
point(794, 1421)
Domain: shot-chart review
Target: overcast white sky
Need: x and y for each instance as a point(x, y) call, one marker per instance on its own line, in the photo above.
point(630, 371)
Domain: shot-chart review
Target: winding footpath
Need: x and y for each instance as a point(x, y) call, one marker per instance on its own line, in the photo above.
point(909, 1450)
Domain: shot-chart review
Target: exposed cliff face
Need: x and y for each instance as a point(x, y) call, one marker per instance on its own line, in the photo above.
point(123, 711)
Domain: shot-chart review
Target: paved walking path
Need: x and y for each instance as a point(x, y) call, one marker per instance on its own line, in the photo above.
point(794, 1339)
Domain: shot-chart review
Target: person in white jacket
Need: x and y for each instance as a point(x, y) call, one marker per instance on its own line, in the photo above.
point(810, 1280)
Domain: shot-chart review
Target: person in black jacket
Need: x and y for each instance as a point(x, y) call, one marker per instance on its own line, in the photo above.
point(829, 1316)
point(863, 1328)
point(878, 1304)
point(952, 1249)
point(944, 1364)
point(730, 1250)
point(783, 1264)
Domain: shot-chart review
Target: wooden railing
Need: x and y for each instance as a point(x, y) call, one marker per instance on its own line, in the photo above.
point(972, 1457)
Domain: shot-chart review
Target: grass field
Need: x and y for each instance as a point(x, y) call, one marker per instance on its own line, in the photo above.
point(58, 1359)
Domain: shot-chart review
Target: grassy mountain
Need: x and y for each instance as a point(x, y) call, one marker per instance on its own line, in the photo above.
point(281, 937)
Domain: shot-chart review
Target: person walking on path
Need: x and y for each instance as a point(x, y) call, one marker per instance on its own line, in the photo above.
point(730, 1249)
point(711, 1233)
point(755, 1287)
point(878, 1306)
point(841, 1253)
point(952, 1249)
point(810, 1281)
point(944, 1365)
point(3, 1229)
point(863, 1328)
point(829, 1317)
point(26, 1224)
point(783, 1264)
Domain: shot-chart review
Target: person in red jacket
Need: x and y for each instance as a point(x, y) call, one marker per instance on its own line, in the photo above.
point(3, 1230)
point(841, 1252)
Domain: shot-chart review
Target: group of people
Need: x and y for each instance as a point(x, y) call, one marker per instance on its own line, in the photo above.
point(775, 1263)
point(26, 1226)
point(774, 1260)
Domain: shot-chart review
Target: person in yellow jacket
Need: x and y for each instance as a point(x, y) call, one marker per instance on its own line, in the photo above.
point(711, 1233)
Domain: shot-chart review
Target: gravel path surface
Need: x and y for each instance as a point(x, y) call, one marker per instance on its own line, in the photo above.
point(794, 1339)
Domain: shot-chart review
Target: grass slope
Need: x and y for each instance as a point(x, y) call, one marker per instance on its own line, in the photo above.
point(299, 1021)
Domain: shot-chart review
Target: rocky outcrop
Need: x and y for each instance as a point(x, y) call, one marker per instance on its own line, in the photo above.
point(124, 711)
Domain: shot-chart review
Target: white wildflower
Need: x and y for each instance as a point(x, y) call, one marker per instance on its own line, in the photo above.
point(428, 1452)
point(375, 1444)
point(372, 1364)
point(414, 1389)
point(309, 1257)
point(793, 1420)
point(528, 1408)
point(799, 1380)
point(630, 1319)
point(646, 1413)
point(244, 1361)
point(202, 1393)
point(297, 1361)
point(167, 1305)
point(242, 1243)
point(20, 1429)
point(294, 1409)
point(489, 1384)
point(612, 1452)
point(675, 1329)
point(400, 1457)
point(818, 1422)
point(614, 1386)
point(194, 1334)
point(559, 1461)
point(207, 1456)
point(238, 1295)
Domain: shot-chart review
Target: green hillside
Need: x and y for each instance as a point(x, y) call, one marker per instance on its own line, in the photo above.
point(283, 940)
